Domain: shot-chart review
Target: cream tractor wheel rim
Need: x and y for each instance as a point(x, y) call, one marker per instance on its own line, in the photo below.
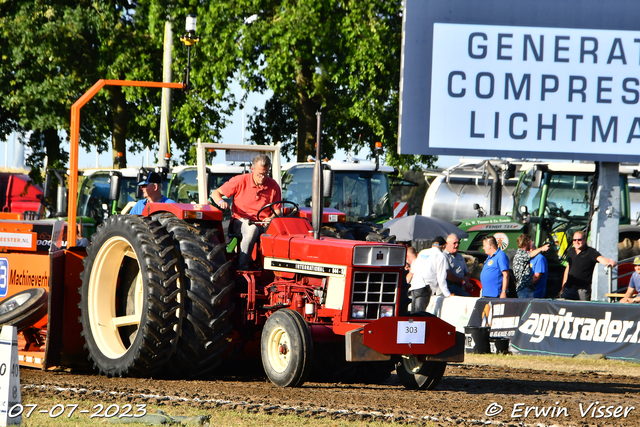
point(279, 349)
point(104, 322)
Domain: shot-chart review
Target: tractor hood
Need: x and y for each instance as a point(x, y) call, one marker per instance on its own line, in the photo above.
point(292, 238)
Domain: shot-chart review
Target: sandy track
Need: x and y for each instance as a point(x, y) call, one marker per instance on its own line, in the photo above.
point(465, 396)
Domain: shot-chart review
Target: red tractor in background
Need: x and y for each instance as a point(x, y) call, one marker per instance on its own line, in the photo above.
point(158, 294)
point(18, 195)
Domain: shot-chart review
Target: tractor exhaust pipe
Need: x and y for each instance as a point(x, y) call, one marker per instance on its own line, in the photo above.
point(316, 196)
point(496, 191)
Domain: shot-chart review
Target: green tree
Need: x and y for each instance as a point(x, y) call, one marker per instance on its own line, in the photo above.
point(54, 51)
point(36, 88)
point(340, 57)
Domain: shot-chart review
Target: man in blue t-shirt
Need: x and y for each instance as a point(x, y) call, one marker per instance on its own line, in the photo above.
point(631, 296)
point(495, 273)
point(152, 192)
point(539, 269)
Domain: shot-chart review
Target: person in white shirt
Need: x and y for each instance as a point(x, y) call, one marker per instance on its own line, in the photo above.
point(429, 276)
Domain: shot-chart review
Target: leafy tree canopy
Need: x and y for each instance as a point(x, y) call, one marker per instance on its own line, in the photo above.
point(340, 57)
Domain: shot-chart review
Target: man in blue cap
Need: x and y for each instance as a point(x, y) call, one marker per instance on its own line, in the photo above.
point(152, 192)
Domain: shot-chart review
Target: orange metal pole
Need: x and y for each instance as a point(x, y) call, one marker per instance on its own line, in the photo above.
point(75, 143)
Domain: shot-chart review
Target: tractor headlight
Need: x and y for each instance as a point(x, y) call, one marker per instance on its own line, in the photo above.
point(386, 311)
point(357, 311)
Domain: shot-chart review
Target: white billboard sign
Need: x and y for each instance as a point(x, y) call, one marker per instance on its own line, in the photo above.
point(516, 90)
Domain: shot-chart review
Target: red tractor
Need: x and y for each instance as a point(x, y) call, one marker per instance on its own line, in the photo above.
point(159, 293)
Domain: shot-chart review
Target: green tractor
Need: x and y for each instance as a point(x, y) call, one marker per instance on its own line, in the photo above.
point(551, 201)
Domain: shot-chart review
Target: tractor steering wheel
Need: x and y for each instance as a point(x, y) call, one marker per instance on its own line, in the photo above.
point(293, 212)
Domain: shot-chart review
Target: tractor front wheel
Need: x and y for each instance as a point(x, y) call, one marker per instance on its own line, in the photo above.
point(417, 374)
point(286, 348)
point(129, 297)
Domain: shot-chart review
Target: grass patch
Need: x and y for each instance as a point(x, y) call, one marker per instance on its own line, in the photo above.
point(556, 363)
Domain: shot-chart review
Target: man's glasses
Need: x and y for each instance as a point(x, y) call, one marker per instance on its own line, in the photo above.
point(578, 240)
point(262, 174)
point(456, 243)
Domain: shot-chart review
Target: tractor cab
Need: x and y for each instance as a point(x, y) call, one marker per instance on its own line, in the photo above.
point(183, 187)
point(359, 189)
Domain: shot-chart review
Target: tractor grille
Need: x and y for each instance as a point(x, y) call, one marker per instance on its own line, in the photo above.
point(373, 290)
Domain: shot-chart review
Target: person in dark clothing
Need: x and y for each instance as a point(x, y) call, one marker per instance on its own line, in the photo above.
point(581, 259)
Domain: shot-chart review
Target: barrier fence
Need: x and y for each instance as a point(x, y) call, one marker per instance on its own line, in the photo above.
point(550, 327)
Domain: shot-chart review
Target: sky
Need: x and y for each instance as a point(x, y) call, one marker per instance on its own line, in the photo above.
point(232, 134)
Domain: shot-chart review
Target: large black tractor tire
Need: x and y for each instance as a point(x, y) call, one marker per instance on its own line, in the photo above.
point(24, 308)
point(206, 285)
point(338, 231)
point(372, 232)
point(364, 231)
point(286, 348)
point(417, 374)
point(129, 297)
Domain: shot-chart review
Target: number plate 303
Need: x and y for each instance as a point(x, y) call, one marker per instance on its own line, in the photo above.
point(411, 332)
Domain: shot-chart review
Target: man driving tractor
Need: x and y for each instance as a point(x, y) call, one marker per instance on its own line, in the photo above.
point(250, 192)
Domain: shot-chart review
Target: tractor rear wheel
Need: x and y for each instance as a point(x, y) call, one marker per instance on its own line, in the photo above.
point(206, 284)
point(417, 374)
point(287, 348)
point(129, 297)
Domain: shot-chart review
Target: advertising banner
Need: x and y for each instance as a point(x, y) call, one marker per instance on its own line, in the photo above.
point(568, 328)
point(529, 78)
point(503, 315)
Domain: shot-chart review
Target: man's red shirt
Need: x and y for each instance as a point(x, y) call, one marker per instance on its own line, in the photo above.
point(248, 198)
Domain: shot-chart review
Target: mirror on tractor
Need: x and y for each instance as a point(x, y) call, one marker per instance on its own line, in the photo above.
point(327, 181)
point(115, 179)
point(61, 201)
point(142, 173)
point(539, 170)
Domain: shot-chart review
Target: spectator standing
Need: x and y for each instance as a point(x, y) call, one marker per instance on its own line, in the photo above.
point(581, 260)
point(406, 279)
point(495, 273)
point(634, 284)
point(411, 256)
point(429, 276)
point(152, 192)
point(522, 266)
point(457, 271)
point(540, 270)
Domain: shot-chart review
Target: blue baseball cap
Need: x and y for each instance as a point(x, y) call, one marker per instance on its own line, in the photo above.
point(152, 178)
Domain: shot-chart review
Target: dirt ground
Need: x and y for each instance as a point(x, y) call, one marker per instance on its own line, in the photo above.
point(469, 394)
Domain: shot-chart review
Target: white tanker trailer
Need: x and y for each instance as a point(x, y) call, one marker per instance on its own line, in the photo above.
point(454, 191)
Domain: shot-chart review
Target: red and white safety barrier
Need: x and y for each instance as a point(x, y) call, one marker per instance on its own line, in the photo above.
point(400, 209)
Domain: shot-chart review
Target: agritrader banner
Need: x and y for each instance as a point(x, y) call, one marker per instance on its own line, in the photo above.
point(569, 328)
point(527, 78)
